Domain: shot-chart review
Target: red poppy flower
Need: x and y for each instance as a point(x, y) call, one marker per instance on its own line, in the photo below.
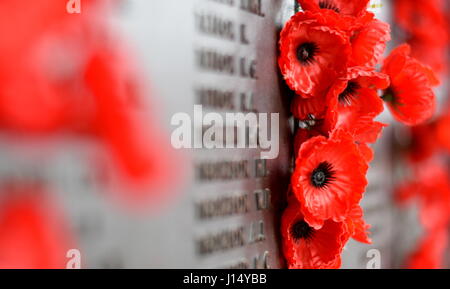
point(329, 178)
point(345, 7)
point(426, 30)
point(31, 99)
point(405, 192)
point(355, 101)
point(312, 122)
point(307, 248)
point(429, 23)
point(433, 55)
point(442, 131)
point(434, 195)
point(430, 184)
point(422, 145)
point(368, 37)
point(32, 232)
point(305, 108)
point(325, 125)
point(311, 127)
point(312, 53)
point(431, 251)
point(302, 135)
point(42, 53)
point(430, 34)
point(410, 96)
point(366, 151)
point(357, 227)
point(138, 146)
point(57, 75)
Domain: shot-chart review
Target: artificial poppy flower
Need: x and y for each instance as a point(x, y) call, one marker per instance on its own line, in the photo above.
point(422, 144)
point(414, 187)
point(366, 151)
point(307, 248)
point(430, 252)
point(138, 147)
point(405, 193)
point(429, 22)
point(329, 178)
point(434, 195)
point(31, 99)
point(345, 7)
point(310, 112)
point(312, 53)
point(305, 108)
point(354, 99)
point(313, 126)
point(368, 38)
point(410, 96)
point(367, 35)
point(302, 135)
point(42, 52)
point(356, 226)
point(33, 234)
point(426, 30)
point(433, 55)
point(431, 186)
point(325, 125)
point(62, 73)
point(442, 131)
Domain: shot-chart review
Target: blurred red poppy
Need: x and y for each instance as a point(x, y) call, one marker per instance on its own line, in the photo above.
point(430, 184)
point(422, 144)
point(427, 23)
point(68, 73)
point(431, 251)
point(139, 147)
point(426, 30)
point(410, 96)
point(33, 234)
point(442, 131)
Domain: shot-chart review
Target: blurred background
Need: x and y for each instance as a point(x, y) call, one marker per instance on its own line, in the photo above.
point(88, 175)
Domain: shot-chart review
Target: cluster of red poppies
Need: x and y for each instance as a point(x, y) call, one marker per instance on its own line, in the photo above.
point(328, 55)
point(425, 154)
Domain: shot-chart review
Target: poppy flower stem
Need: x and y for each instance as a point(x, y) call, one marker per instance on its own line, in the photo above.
point(297, 7)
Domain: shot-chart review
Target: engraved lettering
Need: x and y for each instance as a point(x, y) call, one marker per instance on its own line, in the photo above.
point(210, 60)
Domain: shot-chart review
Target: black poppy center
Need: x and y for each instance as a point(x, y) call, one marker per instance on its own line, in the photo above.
point(328, 4)
point(301, 230)
point(306, 52)
point(322, 175)
point(349, 93)
point(389, 95)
